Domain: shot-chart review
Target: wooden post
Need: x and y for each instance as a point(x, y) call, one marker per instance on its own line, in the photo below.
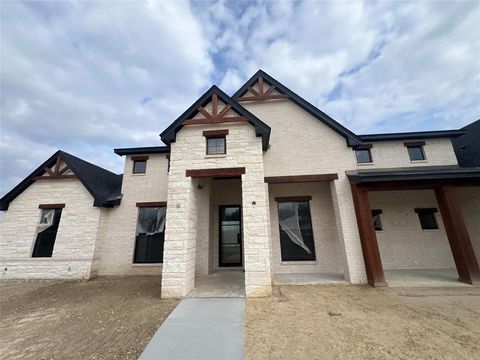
point(368, 238)
point(462, 249)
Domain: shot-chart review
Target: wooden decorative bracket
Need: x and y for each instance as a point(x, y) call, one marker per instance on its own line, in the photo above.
point(57, 173)
point(215, 117)
point(261, 94)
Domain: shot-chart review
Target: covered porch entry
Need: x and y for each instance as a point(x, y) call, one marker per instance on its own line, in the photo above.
point(408, 264)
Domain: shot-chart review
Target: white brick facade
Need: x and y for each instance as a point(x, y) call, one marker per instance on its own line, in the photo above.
point(101, 241)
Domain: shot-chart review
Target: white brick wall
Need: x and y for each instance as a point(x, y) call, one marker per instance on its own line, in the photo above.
point(402, 242)
point(73, 251)
point(118, 226)
point(327, 249)
point(388, 154)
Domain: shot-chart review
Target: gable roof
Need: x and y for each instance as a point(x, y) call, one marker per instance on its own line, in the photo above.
point(467, 146)
point(261, 129)
point(351, 138)
point(103, 185)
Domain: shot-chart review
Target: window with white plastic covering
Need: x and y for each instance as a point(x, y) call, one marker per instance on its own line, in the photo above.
point(150, 235)
point(296, 233)
point(47, 232)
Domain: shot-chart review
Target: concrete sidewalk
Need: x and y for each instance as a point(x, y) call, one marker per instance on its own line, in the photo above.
point(206, 328)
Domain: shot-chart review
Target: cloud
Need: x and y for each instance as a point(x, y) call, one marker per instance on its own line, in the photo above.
point(86, 77)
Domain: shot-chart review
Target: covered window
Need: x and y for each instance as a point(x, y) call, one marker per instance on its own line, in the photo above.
point(427, 218)
point(47, 231)
point(216, 145)
point(363, 154)
point(150, 235)
point(139, 164)
point(296, 233)
point(377, 221)
point(415, 150)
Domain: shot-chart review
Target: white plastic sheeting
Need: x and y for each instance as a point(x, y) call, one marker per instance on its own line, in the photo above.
point(291, 226)
point(46, 220)
point(151, 221)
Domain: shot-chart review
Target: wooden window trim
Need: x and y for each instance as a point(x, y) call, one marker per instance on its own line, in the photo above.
point(413, 143)
point(426, 210)
point(152, 204)
point(215, 133)
point(293, 198)
point(51, 206)
point(223, 172)
point(364, 147)
point(140, 158)
point(300, 178)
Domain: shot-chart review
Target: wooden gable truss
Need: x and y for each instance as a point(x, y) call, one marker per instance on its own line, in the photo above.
point(55, 172)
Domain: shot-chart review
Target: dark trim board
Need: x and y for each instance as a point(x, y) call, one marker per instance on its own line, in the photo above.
point(142, 150)
point(425, 210)
point(152, 204)
point(51, 206)
point(223, 172)
point(215, 133)
point(300, 178)
point(293, 198)
point(414, 135)
point(140, 158)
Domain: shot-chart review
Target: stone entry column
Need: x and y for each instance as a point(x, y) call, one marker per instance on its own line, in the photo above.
point(178, 273)
point(257, 247)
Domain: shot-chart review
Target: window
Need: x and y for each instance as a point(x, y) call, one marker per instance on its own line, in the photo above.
point(364, 156)
point(216, 145)
point(139, 164)
point(296, 233)
point(47, 231)
point(415, 150)
point(150, 235)
point(377, 221)
point(427, 218)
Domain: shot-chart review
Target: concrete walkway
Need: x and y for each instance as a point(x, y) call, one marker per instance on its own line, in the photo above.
point(206, 328)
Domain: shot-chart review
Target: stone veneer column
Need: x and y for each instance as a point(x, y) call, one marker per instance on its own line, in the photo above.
point(178, 274)
point(347, 231)
point(256, 240)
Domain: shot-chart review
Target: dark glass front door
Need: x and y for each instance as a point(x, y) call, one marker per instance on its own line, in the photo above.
point(230, 236)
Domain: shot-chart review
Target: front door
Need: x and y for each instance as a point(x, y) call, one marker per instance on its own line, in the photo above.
point(230, 236)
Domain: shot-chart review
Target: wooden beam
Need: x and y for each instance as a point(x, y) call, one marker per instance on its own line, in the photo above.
point(214, 105)
point(204, 112)
point(253, 91)
point(293, 198)
point(217, 121)
point(49, 171)
point(64, 170)
point(300, 178)
point(264, 97)
point(57, 165)
point(414, 143)
point(458, 237)
point(368, 238)
point(224, 111)
point(417, 184)
point(224, 172)
point(215, 133)
point(140, 158)
point(152, 204)
point(270, 90)
point(51, 206)
point(55, 177)
point(260, 86)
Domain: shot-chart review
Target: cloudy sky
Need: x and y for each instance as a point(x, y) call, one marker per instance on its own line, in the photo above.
point(89, 76)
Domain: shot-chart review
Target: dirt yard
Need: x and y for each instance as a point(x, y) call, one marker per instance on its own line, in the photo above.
point(105, 318)
point(354, 322)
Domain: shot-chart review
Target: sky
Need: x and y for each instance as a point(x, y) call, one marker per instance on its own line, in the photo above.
point(87, 76)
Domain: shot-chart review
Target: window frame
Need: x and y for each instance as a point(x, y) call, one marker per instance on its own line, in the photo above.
point(136, 160)
point(415, 145)
point(296, 199)
point(377, 212)
point(36, 245)
point(140, 206)
point(427, 211)
point(367, 148)
point(216, 134)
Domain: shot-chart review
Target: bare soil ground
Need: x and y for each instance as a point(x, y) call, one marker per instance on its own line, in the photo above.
point(105, 318)
point(359, 322)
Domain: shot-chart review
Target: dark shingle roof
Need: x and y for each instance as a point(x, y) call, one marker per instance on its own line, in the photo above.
point(103, 185)
point(142, 150)
point(467, 146)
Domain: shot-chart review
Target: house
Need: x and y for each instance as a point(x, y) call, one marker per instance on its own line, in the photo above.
point(262, 181)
